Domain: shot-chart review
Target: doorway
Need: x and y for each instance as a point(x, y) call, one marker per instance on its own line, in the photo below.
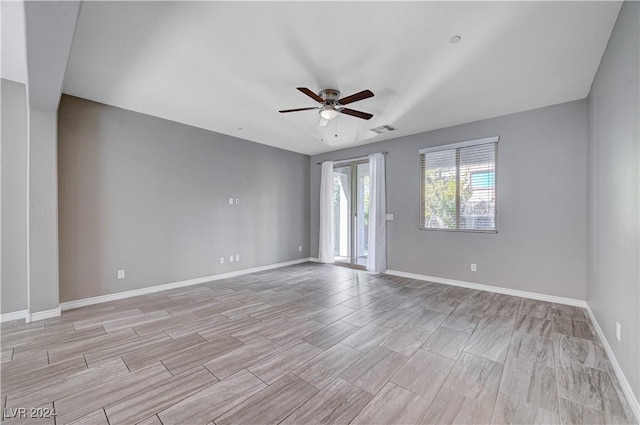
point(351, 212)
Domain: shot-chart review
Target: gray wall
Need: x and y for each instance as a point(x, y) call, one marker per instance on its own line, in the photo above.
point(14, 196)
point(541, 244)
point(613, 288)
point(151, 196)
point(43, 210)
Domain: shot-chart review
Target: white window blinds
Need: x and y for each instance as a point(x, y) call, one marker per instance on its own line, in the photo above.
point(458, 186)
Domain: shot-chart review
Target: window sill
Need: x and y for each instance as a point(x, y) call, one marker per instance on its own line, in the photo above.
point(495, 231)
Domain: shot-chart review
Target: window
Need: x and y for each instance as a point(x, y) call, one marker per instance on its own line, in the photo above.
point(458, 186)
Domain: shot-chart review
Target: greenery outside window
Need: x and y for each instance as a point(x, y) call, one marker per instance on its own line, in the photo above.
point(458, 186)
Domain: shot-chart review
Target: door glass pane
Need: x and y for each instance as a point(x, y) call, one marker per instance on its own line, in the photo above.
point(362, 215)
point(342, 213)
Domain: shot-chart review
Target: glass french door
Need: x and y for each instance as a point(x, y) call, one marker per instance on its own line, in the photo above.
point(351, 213)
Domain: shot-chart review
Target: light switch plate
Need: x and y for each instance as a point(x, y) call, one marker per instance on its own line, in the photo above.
point(230, 201)
point(237, 201)
point(121, 274)
point(389, 217)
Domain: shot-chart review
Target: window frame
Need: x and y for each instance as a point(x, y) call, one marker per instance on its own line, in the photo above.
point(456, 146)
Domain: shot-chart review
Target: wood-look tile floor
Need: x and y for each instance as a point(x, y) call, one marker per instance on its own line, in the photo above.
point(312, 344)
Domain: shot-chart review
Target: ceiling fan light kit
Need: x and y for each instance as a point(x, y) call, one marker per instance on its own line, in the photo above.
point(328, 112)
point(332, 105)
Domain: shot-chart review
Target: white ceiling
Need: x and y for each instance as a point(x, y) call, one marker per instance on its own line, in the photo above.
point(224, 66)
point(13, 59)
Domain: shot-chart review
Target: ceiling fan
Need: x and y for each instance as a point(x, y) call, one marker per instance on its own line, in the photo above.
point(332, 105)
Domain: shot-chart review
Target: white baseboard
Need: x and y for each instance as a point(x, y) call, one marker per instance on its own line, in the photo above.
point(151, 289)
point(489, 288)
point(42, 315)
point(30, 317)
point(14, 315)
point(626, 388)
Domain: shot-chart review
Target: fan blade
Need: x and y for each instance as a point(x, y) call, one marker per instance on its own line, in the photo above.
point(311, 94)
point(355, 113)
point(364, 94)
point(323, 122)
point(299, 109)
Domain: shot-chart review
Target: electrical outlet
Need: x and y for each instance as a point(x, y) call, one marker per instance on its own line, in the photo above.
point(300, 248)
point(237, 257)
point(473, 267)
point(618, 331)
point(221, 260)
point(120, 274)
point(231, 258)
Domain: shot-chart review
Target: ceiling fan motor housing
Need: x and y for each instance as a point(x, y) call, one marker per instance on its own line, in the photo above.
point(330, 95)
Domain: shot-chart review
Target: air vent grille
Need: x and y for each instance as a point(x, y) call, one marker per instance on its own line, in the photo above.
point(383, 129)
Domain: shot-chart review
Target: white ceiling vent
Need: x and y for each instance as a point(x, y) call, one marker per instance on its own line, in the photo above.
point(383, 129)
